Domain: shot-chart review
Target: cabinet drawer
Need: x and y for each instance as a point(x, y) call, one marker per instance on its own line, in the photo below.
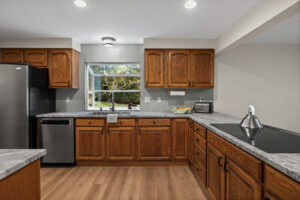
point(279, 185)
point(247, 162)
point(199, 129)
point(200, 155)
point(154, 122)
point(123, 122)
point(200, 172)
point(198, 140)
point(89, 122)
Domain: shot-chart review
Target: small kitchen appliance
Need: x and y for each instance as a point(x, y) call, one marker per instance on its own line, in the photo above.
point(203, 107)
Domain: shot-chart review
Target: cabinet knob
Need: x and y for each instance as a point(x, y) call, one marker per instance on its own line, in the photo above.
point(265, 198)
point(154, 122)
point(198, 169)
point(197, 140)
point(198, 153)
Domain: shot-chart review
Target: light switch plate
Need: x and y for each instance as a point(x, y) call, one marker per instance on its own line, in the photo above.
point(147, 99)
point(68, 99)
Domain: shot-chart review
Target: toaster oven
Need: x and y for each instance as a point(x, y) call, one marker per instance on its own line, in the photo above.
point(203, 107)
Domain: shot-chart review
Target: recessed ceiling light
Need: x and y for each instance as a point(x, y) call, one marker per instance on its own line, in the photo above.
point(108, 41)
point(190, 4)
point(80, 3)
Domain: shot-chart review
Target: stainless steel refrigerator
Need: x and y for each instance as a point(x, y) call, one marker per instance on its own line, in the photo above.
point(24, 93)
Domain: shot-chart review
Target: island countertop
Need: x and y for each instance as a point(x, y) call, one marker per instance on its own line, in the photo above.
point(287, 163)
point(12, 160)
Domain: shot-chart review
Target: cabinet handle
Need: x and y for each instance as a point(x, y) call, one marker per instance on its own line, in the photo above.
point(197, 153)
point(20, 61)
point(219, 161)
point(225, 166)
point(120, 122)
point(198, 169)
point(189, 83)
point(154, 122)
point(108, 131)
point(265, 198)
point(193, 84)
point(191, 125)
point(197, 129)
point(69, 83)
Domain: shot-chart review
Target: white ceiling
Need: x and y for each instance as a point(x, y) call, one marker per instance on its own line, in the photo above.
point(128, 20)
point(286, 32)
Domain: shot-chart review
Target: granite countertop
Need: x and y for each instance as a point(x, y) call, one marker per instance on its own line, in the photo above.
point(12, 160)
point(287, 163)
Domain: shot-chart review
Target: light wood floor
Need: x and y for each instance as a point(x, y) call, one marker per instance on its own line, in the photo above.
point(113, 183)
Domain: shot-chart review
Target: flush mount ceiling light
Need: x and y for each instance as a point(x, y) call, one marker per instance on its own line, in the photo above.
point(189, 4)
point(108, 41)
point(80, 3)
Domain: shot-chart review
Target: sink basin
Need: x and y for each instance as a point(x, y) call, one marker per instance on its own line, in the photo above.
point(110, 112)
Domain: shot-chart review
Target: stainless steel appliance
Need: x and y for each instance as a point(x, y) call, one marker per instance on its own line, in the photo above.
point(250, 121)
point(203, 107)
point(57, 136)
point(24, 93)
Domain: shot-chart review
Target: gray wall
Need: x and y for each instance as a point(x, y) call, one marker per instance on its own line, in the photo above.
point(123, 53)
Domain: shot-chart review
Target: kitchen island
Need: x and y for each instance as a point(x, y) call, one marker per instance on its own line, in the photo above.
point(20, 173)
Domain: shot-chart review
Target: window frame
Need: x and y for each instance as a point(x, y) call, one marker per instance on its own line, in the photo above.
point(87, 91)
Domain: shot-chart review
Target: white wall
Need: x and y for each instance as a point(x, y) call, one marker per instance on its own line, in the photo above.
point(179, 43)
point(267, 76)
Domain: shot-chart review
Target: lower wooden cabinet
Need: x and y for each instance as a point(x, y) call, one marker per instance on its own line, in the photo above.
point(121, 143)
point(239, 185)
point(90, 143)
point(23, 184)
point(180, 135)
point(154, 143)
point(277, 186)
point(215, 173)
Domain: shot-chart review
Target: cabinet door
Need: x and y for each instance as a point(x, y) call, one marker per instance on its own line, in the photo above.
point(35, 57)
point(11, 56)
point(179, 68)
point(215, 174)
point(90, 143)
point(180, 133)
point(239, 185)
point(154, 143)
point(191, 142)
point(59, 64)
point(121, 143)
point(202, 68)
point(154, 68)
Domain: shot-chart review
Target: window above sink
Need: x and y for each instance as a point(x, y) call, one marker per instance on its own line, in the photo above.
point(111, 85)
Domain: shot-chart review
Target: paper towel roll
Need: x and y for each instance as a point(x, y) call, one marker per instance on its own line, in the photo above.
point(177, 93)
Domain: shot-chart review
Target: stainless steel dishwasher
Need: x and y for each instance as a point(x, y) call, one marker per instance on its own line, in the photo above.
point(57, 136)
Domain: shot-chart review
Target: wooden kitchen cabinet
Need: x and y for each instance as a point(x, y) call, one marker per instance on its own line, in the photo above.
point(154, 68)
point(63, 67)
point(180, 135)
point(277, 186)
point(154, 143)
point(36, 57)
point(202, 68)
point(215, 173)
point(11, 56)
point(179, 68)
point(239, 185)
point(90, 143)
point(191, 141)
point(121, 143)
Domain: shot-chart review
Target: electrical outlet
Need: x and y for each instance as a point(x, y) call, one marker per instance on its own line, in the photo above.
point(158, 99)
point(68, 99)
point(147, 99)
point(201, 99)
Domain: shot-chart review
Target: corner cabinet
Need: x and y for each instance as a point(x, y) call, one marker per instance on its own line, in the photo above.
point(179, 68)
point(63, 67)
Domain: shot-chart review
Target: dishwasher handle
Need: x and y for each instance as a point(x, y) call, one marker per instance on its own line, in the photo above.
point(55, 122)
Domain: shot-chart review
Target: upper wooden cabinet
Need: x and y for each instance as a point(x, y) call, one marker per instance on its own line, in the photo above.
point(202, 68)
point(154, 68)
point(63, 67)
point(11, 56)
point(179, 68)
point(36, 57)
point(63, 64)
